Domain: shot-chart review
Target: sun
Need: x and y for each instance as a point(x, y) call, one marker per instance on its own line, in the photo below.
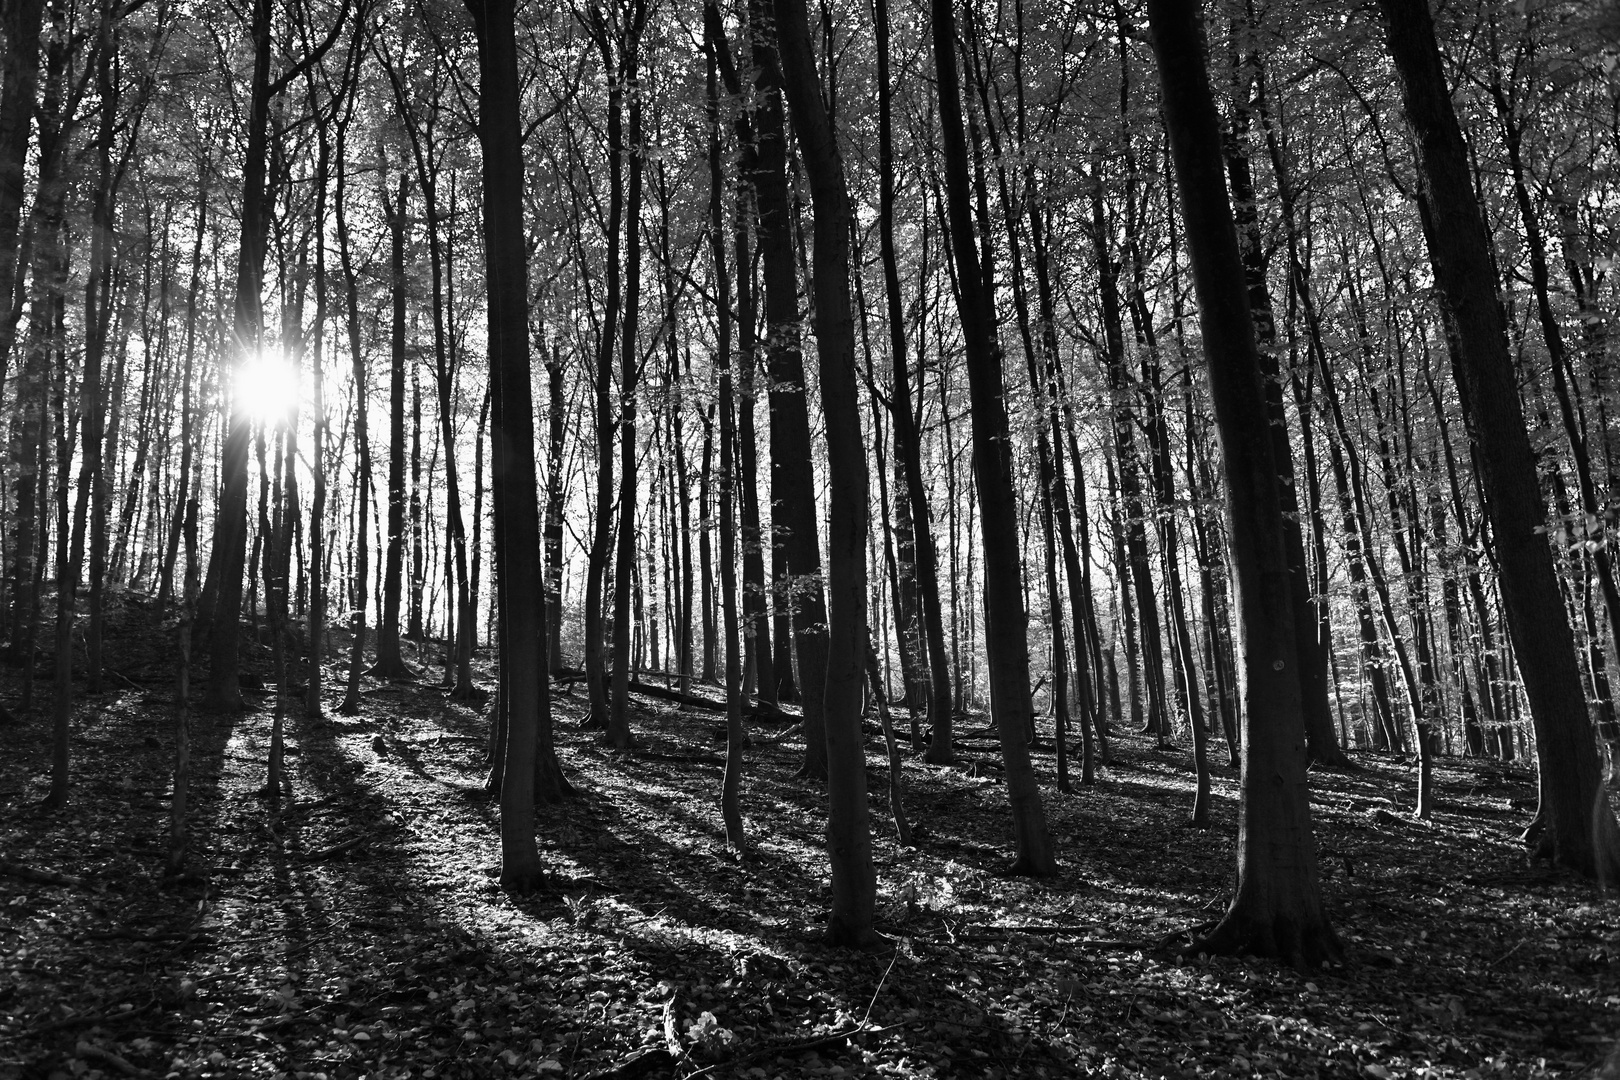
point(267, 387)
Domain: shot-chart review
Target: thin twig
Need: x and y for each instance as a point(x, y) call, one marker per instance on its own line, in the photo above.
point(338, 849)
point(868, 1014)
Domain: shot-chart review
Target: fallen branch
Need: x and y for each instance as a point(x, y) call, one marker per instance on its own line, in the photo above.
point(780, 735)
point(40, 877)
point(799, 1047)
point(1060, 931)
point(338, 849)
point(132, 935)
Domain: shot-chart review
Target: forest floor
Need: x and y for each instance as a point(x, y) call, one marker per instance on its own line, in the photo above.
point(358, 929)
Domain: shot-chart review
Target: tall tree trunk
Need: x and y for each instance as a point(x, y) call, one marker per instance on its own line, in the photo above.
point(755, 612)
point(317, 513)
point(361, 482)
point(19, 80)
point(907, 444)
point(596, 673)
point(794, 523)
point(390, 664)
point(1320, 740)
point(556, 430)
point(230, 520)
point(1005, 639)
point(1572, 824)
point(517, 514)
point(1277, 910)
point(849, 832)
point(618, 726)
point(731, 782)
point(183, 482)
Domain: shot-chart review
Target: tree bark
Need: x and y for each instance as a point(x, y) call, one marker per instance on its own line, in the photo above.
point(1277, 910)
point(849, 833)
point(1572, 824)
point(390, 663)
point(1005, 638)
point(517, 513)
point(794, 524)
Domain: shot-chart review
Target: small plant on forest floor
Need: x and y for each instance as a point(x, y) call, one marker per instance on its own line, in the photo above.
point(583, 909)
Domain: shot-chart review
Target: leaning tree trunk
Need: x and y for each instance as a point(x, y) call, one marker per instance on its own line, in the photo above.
point(1573, 825)
point(1277, 910)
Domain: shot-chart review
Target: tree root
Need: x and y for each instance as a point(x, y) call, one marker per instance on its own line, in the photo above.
point(1276, 937)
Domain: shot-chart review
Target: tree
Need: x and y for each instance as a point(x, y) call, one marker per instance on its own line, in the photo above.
point(390, 663)
point(517, 510)
point(227, 563)
point(1573, 825)
point(794, 526)
point(849, 830)
point(731, 782)
point(906, 442)
point(1006, 645)
point(1277, 909)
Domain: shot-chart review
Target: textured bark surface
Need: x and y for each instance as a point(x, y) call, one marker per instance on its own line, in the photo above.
point(849, 832)
point(1277, 910)
point(517, 513)
point(1005, 621)
point(1568, 825)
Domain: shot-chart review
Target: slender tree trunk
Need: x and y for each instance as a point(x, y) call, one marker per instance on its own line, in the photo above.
point(618, 726)
point(183, 481)
point(755, 611)
point(556, 430)
point(843, 641)
point(317, 514)
point(230, 521)
point(731, 782)
point(361, 482)
point(390, 663)
point(992, 465)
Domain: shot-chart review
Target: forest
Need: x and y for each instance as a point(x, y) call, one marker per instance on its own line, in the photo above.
point(710, 538)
